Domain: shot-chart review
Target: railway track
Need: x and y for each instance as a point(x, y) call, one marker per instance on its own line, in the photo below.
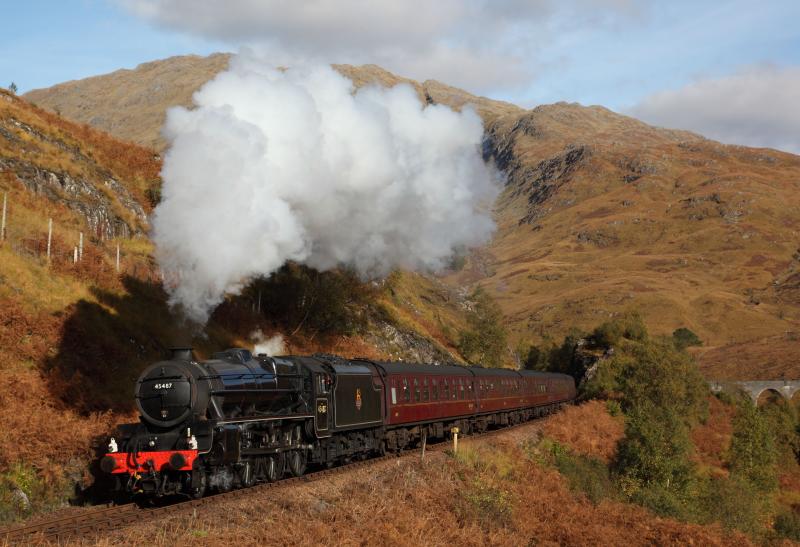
point(93, 521)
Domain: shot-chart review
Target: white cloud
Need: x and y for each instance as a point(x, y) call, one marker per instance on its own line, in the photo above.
point(477, 44)
point(758, 106)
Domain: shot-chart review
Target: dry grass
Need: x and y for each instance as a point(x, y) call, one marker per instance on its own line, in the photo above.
point(37, 431)
point(78, 149)
point(492, 494)
point(587, 429)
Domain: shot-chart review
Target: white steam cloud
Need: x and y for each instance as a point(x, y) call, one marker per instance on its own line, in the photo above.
point(274, 345)
point(276, 165)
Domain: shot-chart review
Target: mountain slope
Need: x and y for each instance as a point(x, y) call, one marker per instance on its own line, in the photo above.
point(601, 214)
point(131, 104)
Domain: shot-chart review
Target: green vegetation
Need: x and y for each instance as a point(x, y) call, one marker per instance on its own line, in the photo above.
point(584, 474)
point(24, 492)
point(484, 341)
point(298, 297)
point(685, 338)
point(656, 385)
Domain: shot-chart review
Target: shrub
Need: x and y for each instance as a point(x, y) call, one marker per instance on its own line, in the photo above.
point(753, 449)
point(613, 407)
point(587, 475)
point(656, 375)
point(485, 340)
point(787, 525)
point(492, 506)
point(629, 326)
point(735, 503)
point(781, 420)
point(24, 492)
point(655, 450)
point(331, 302)
point(683, 338)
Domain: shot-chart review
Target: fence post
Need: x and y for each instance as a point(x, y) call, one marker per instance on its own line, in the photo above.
point(49, 237)
point(3, 226)
point(80, 247)
point(117, 257)
point(75, 255)
point(424, 441)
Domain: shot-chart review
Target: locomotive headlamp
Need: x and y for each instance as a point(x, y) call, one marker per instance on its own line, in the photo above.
point(164, 413)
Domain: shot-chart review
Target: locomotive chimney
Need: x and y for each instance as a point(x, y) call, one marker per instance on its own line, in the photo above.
point(181, 354)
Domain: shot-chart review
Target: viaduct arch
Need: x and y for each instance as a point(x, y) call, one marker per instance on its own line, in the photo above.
point(756, 388)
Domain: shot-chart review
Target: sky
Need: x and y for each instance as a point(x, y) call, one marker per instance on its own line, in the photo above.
point(728, 69)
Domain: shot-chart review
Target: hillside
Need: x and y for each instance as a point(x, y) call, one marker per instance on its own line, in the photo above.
point(78, 324)
point(131, 104)
point(601, 214)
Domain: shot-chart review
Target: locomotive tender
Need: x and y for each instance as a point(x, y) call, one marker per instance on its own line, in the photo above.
point(237, 419)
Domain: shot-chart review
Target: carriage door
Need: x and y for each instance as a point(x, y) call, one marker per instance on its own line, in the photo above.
point(322, 406)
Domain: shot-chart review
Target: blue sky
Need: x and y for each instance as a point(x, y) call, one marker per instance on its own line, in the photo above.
point(661, 60)
point(45, 42)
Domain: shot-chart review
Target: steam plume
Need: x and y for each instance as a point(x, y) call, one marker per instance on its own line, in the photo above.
point(274, 345)
point(276, 165)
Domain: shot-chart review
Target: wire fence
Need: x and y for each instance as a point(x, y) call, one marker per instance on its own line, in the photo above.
point(67, 248)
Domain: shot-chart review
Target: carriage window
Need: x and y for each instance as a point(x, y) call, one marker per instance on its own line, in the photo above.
point(416, 390)
point(471, 387)
point(455, 389)
point(406, 392)
point(461, 388)
point(435, 389)
point(446, 389)
point(425, 393)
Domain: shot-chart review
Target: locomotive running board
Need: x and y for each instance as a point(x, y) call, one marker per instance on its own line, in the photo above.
point(273, 419)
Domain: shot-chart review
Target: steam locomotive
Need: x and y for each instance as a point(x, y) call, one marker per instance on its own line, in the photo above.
point(237, 419)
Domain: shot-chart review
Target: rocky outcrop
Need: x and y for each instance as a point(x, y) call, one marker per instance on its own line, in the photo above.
point(409, 346)
point(109, 211)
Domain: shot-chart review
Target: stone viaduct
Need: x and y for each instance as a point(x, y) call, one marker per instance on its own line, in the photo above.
point(756, 388)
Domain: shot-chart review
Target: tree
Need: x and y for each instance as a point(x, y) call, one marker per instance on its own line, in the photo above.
point(663, 396)
point(753, 454)
point(684, 338)
point(660, 376)
point(13, 88)
point(485, 340)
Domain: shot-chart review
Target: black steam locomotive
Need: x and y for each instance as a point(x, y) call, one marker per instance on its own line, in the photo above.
point(236, 419)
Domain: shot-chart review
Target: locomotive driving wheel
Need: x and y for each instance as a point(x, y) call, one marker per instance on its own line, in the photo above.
point(273, 467)
point(296, 462)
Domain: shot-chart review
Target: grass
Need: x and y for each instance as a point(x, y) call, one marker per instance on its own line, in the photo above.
point(444, 500)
